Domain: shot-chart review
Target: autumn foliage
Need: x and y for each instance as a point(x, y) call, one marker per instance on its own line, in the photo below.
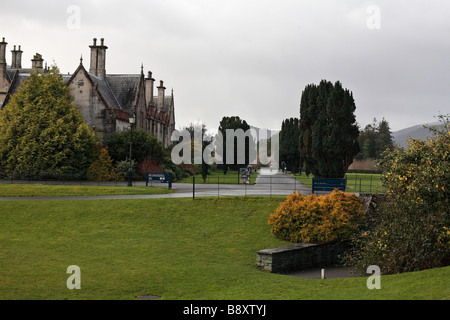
point(102, 169)
point(410, 229)
point(149, 165)
point(317, 219)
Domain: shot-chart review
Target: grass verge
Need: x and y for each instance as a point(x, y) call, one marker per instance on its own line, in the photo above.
point(42, 190)
point(173, 248)
point(356, 182)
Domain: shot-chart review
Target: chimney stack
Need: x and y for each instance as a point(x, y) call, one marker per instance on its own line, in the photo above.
point(149, 81)
point(37, 63)
point(4, 82)
point(161, 89)
point(98, 59)
point(16, 58)
point(93, 66)
point(3, 51)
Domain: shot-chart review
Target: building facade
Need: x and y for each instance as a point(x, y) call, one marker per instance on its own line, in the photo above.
point(105, 100)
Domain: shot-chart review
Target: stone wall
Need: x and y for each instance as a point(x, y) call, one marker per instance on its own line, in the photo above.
point(300, 256)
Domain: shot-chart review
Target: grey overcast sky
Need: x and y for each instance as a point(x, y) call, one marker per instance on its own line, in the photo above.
point(253, 58)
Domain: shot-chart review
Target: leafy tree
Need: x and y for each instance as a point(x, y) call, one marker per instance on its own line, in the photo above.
point(197, 147)
point(289, 143)
point(328, 131)
point(234, 123)
point(193, 127)
point(411, 230)
point(144, 145)
point(42, 132)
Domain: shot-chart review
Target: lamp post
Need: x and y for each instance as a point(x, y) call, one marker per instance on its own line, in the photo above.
point(132, 120)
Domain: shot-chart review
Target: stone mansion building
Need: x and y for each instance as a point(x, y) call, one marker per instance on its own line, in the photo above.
point(105, 100)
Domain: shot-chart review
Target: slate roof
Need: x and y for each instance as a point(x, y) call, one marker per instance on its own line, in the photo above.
point(124, 89)
point(121, 91)
point(117, 90)
point(106, 92)
point(17, 78)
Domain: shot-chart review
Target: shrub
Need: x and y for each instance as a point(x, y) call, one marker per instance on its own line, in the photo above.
point(170, 167)
point(123, 167)
point(102, 168)
point(150, 166)
point(189, 168)
point(313, 218)
point(144, 145)
point(411, 228)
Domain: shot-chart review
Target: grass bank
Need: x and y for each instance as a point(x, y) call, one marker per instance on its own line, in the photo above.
point(174, 248)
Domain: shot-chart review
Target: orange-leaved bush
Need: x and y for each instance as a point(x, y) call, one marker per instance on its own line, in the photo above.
point(332, 217)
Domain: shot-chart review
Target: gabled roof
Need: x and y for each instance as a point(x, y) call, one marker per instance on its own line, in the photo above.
point(116, 91)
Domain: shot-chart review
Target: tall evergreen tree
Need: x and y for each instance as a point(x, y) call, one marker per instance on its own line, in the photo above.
point(384, 140)
point(234, 123)
point(42, 132)
point(289, 143)
point(366, 141)
point(375, 139)
point(328, 131)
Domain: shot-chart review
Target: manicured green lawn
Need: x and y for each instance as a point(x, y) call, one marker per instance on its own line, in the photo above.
point(42, 190)
point(214, 177)
point(174, 248)
point(356, 182)
point(364, 182)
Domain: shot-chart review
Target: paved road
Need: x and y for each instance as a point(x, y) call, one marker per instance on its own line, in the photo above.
point(267, 183)
point(279, 183)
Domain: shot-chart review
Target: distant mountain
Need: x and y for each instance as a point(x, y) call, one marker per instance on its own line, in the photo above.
point(415, 132)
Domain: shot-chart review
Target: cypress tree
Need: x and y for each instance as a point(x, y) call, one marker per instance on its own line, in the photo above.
point(384, 138)
point(234, 123)
point(328, 131)
point(289, 143)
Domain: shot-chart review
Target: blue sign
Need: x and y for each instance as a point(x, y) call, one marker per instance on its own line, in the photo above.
point(159, 177)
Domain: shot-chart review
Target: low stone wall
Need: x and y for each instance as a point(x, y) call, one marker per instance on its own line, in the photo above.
point(305, 255)
point(300, 256)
